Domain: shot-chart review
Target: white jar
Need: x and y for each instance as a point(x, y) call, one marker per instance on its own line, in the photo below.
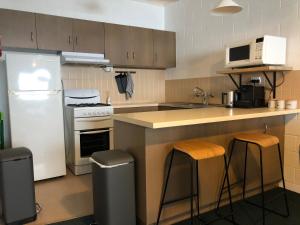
point(280, 104)
point(272, 104)
point(291, 104)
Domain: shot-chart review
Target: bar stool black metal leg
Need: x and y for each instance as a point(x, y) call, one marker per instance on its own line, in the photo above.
point(283, 182)
point(262, 185)
point(245, 171)
point(192, 190)
point(228, 185)
point(198, 197)
point(223, 183)
point(165, 187)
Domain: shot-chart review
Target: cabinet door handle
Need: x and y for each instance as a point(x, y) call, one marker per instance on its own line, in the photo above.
point(69, 39)
point(76, 40)
point(127, 55)
point(31, 36)
point(133, 55)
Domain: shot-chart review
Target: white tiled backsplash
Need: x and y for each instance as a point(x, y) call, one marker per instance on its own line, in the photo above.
point(292, 153)
point(149, 85)
point(202, 37)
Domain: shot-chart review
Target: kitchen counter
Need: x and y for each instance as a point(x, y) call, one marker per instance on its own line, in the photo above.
point(139, 134)
point(184, 117)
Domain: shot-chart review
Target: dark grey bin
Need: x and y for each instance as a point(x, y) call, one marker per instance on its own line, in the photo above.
point(113, 188)
point(17, 195)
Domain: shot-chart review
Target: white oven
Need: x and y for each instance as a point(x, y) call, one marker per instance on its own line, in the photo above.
point(91, 135)
point(88, 128)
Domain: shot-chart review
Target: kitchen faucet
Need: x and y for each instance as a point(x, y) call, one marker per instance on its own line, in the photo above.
point(199, 92)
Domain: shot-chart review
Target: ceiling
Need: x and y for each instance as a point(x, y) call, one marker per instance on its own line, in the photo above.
point(156, 2)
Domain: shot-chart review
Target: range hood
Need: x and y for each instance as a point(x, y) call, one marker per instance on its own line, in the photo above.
point(83, 58)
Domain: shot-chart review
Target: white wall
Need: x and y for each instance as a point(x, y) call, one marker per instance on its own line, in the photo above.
point(201, 37)
point(125, 12)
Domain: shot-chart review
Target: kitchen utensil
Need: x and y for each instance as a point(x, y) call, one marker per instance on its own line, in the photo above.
point(228, 99)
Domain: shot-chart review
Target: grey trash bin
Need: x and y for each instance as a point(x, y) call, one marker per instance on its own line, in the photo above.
point(113, 188)
point(17, 195)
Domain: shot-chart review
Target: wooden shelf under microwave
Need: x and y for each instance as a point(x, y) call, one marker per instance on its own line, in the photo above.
point(259, 69)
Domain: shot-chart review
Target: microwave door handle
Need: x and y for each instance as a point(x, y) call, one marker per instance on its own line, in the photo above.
point(95, 132)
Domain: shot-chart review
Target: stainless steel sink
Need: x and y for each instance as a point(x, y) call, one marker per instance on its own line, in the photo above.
point(185, 105)
point(194, 106)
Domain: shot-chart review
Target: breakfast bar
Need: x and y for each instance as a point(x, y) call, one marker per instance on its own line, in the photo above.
point(149, 137)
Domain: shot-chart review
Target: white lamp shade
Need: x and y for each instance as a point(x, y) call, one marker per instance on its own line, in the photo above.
point(227, 7)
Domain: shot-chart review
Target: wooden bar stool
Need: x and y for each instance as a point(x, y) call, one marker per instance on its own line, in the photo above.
point(196, 150)
point(262, 141)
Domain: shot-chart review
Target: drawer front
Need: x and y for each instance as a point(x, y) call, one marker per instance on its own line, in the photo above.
point(93, 123)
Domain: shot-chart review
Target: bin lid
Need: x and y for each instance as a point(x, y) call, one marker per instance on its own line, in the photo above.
point(12, 154)
point(112, 158)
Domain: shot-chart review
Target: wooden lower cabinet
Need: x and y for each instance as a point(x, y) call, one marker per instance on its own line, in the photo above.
point(54, 33)
point(17, 29)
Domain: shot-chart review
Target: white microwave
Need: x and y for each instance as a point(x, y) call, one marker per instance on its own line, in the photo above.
point(267, 50)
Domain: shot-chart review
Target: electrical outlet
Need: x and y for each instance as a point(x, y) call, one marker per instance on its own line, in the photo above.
point(255, 80)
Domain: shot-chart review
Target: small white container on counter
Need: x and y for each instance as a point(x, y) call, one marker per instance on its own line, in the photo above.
point(291, 104)
point(280, 104)
point(272, 104)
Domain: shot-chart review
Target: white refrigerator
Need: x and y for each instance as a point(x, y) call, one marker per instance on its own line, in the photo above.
point(35, 108)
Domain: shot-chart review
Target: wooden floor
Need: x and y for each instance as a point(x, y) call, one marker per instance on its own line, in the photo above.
point(63, 198)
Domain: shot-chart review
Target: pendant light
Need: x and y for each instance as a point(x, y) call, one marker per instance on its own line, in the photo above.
point(226, 7)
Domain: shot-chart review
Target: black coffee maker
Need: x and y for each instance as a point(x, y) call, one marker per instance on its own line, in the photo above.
point(250, 96)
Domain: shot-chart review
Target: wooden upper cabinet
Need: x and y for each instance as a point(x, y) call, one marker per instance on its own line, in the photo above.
point(141, 47)
point(125, 46)
point(54, 33)
point(88, 36)
point(118, 44)
point(17, 29)
point(129, 46)
point(164, 49)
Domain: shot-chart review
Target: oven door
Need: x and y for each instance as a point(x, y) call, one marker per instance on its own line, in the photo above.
point(89, 141)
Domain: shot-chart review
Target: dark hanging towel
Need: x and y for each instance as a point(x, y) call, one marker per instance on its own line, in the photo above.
point(121, 80)
point(130, 85)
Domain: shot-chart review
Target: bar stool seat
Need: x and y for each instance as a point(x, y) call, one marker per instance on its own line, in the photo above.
point(199, 149)
point(261, 139)
point(196, 150)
